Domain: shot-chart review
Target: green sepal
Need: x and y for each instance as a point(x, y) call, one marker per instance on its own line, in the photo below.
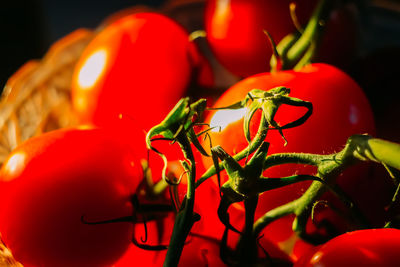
point(214, 155)
point(228, 198)
point(247, 119)
point(193, 139)
point(180, 119)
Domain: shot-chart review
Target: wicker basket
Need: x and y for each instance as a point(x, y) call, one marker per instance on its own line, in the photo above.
point(36, 98)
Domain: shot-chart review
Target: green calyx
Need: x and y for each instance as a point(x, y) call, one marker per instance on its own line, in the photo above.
point(246, 180)
point(179, 122)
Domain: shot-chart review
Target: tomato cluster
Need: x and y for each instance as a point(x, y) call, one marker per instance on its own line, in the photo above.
point(94, 194)
point(53, 183)
point(235, 32)
point(140, 63)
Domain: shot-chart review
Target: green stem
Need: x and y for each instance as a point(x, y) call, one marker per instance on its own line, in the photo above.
point(312, 31)
point(296, 158)
point(273, 215)
point(396, 195)
point(358, 147)
point(296, 50)
point(185, 217)
point(379, 150)
point(253, 145)
point(272, 99)
point(329, 167)
point(159, 187)
point(247, 245)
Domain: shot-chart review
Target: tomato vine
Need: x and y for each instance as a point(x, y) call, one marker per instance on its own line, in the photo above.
point(247, 182)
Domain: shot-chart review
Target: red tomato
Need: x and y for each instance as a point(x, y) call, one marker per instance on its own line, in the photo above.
point(372, 247)
point(158, 233)
point(206, 205)
point(140, 66)
point(49, 182)
point(206, 196)
point(201, 252)
point(340, 110)
point(235, 32)
point(198, 251)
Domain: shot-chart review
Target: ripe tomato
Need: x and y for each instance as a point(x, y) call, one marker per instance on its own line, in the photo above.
point(206, 196)
point(340, 110)
point(372, 247)
point(206, 205)
point(199, 250)
point(158, 233)
point(50, 182)
point(140, 66)
point(235, 32)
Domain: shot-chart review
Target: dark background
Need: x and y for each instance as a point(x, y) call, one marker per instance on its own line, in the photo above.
point(29, 27)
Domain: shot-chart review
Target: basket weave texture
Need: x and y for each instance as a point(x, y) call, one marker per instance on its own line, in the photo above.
point(36, 99)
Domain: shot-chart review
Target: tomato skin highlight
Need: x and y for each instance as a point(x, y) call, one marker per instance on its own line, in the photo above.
point(371, 247)
point(138, 66)
point(235, 32)
point(53, 181)
point(340, 110)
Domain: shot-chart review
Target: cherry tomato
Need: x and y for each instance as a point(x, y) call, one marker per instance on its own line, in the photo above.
point(199, 250)
point(340, 110)
point(138, 66)
point(156, 233)
point(52, 183)
point(206, 195)
point(206, 205)
point(372, 247)
point(235, 32)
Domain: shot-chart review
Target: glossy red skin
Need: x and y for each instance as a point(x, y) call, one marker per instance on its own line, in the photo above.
point(235, 32)
point(372, 247)
point(206, 205)
point(208, 228)
point(198, 252)
point(49, 182)
point(206, 197)
point(148, 63)
point(340, 110)
point(158, 233)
